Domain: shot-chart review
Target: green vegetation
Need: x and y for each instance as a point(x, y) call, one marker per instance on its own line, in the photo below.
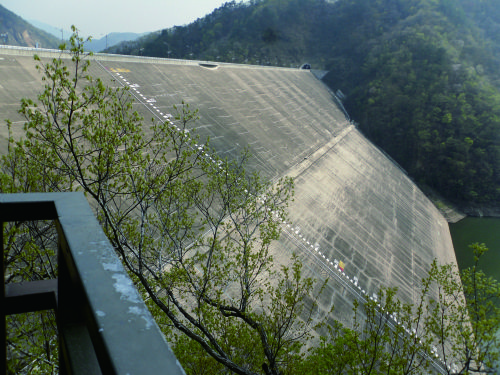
point(270, 32)
point(423, 93)
point(194, 233)
point(437, 324)
point(421, 77)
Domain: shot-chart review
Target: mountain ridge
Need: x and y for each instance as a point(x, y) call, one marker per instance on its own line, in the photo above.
point(16, 31)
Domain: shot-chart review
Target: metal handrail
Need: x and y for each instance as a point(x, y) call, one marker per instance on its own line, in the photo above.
point(104, 325)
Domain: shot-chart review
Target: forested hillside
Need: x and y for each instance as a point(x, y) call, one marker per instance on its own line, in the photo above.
point(421, 77)
point(265, 32)
point(422, 80)
point(17, 32)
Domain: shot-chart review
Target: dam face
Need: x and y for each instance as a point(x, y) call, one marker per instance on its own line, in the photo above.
point(353, 207)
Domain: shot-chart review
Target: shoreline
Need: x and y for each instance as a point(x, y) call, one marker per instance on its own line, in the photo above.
point(454, 215)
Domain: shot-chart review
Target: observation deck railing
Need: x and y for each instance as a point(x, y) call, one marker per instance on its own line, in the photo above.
point(103, 324)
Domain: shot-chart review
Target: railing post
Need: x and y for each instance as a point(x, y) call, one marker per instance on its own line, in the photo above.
point(76, 351)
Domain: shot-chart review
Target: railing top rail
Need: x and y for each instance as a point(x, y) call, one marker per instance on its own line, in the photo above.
point(56, 53)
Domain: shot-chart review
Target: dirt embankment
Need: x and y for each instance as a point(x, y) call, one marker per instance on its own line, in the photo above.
point(27, 39)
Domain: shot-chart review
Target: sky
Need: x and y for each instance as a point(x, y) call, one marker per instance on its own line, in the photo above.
point(100, 17)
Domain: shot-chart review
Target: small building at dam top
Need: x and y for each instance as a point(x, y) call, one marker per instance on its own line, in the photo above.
point(357, 219)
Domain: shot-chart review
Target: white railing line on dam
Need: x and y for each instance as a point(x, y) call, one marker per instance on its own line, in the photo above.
point(56, 53)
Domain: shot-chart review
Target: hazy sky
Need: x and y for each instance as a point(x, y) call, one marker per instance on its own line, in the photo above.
point(99, 17)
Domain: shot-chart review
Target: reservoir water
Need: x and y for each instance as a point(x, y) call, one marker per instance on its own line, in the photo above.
point(483, 230)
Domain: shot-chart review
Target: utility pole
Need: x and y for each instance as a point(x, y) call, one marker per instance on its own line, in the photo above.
point(168, 49)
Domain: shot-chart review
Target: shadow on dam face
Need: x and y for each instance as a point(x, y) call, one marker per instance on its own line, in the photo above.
point(352, 204)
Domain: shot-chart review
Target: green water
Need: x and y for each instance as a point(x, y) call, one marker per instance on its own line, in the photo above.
point(482, 230)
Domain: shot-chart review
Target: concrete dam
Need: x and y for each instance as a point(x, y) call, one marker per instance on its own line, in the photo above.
point(353, 209)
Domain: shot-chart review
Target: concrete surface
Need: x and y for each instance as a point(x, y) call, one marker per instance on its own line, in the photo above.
point(352, 203)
